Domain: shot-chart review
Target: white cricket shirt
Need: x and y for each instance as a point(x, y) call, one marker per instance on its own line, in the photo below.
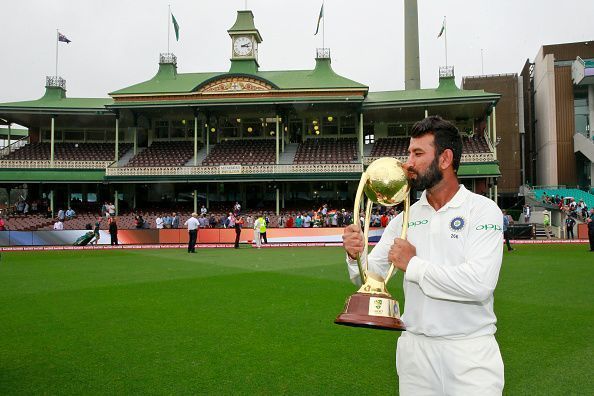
point(449, 284)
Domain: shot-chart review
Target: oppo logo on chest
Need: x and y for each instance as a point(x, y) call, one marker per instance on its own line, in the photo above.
point(417, 223)
point(488, 227)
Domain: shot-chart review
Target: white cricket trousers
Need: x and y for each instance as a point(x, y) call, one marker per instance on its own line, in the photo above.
point(257, 238)
point(429, 366)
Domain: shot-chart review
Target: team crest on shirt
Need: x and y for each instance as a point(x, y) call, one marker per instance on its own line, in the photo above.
point(457, 224)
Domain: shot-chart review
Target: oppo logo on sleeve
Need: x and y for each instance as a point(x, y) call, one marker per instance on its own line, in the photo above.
point(488, 227)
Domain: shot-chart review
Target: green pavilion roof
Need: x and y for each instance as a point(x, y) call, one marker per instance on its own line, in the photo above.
point(55, 98)
point(447, 91)
point(167, 81)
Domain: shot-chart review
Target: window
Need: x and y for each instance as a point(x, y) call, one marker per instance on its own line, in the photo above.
point(162, 129)
point(348, 125)
point(369, 139)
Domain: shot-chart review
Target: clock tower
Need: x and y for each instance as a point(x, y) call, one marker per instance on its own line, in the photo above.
point(244, 44)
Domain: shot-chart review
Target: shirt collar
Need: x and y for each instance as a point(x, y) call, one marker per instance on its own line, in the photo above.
point(455, 202)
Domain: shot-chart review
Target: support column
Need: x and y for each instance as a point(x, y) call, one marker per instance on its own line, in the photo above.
point(9, 149)
point(277, 140)
point(117, 140)
point(361, 136)
point(195, 140)
point(52, 201)
point(207, 194)
point(135, 140)
point(195, 201)
point(207, 139)
point(495, 131)
point(426, 113)
point(283, 132)
point(52, 146)
point(591, 109)
point(116, 202)
point(277, 201)
point(134, 196)
point(283, 195)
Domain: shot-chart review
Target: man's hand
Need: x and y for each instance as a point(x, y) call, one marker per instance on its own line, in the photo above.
point(352, 240)
point(400, 253)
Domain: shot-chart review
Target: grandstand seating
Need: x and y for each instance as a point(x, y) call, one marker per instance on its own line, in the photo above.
point(246, 152)
point(173, 153)
point(327, 151)
point(28, 222)
point(566, 192)
point(399, 146)
point(68, 151)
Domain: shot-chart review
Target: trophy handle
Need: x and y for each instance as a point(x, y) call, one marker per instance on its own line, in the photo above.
point(358, 196)
point(404, 230)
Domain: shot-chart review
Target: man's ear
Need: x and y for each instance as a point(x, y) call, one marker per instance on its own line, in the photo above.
point(446, 159)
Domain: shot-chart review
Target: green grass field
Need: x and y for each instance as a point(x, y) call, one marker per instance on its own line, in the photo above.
point(250, 321)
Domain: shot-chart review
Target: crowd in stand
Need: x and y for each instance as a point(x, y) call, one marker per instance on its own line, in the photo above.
point(577, 210)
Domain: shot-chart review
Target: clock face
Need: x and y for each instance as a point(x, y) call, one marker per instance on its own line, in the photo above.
point(243, 46)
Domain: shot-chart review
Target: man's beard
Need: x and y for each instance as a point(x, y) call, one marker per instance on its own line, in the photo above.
point(429, 179)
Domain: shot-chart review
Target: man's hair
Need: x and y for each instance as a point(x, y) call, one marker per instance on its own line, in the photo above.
point(446, 136)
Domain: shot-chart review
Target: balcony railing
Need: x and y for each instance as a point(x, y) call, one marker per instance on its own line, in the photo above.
point(322, 53)
point(55, 81)
point(446, 71)
point(60, 164)
point(168, 58)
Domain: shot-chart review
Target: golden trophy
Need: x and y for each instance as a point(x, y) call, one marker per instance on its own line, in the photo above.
point(385, 183)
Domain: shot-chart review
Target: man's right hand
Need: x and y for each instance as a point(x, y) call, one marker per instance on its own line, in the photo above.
point(352, 240)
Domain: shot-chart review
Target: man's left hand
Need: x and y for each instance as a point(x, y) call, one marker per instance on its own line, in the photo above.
point(400, 253)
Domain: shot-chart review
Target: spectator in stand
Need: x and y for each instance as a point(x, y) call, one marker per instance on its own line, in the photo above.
point(159, 222)
point(139, 221)
point(281, 221)
point(224, 220)
point(111, 209)
point(34, 205)
point(238, 226)
point(290, 222)
point(202, 221)
point(174, 220)
point(113, 230)
point(340, 218)
point(104, 209)
point(61, 215)
point(384, 220)
point(569, 223)
point(249, 221)
point(231, 220)
point(49, 213)
point(203, 210)
point(167, 221)
point(26, 208)
point(2, 224)
point(70, 213)
point(212, 222)
point(334, 219)
point(307, 221)
point(58, 225)
point(236, 208)
point(299, 220)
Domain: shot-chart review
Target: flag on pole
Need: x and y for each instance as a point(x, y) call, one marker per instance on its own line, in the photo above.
point(63, 38)
point(320, 19)
point(443, 27)
point(175, 27)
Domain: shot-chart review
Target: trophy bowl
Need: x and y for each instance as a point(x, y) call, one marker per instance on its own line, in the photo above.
point(384, 183)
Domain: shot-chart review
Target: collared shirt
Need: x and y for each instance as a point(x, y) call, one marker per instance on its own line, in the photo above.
point(449, 284)
point(192, 223)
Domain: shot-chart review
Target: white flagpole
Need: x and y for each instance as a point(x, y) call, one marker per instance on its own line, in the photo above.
point(446, 39)
point(57, 35)
point(168, 25)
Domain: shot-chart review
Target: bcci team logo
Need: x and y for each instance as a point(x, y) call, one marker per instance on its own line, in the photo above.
point(457, 224)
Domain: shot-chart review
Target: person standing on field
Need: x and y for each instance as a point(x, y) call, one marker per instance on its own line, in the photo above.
point(451, 260)
point(192, 224)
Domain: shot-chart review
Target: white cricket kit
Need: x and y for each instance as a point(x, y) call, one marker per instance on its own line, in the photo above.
point(449, 284)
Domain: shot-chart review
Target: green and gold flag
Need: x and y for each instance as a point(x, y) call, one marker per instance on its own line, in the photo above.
point(443, 27)
point(175, 27)
point(320, 19)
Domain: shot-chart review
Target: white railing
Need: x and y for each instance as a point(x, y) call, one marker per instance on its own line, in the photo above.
point(474, 157)
point(40, 164)
point(55, 81)
point(16, 145)
point(241, 170)
point(167, 57)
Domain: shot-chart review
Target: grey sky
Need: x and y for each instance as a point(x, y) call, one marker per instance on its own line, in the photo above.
point(116, 43)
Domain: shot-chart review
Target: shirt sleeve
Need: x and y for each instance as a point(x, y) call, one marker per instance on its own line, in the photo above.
point(475, 278)
point(378, 258)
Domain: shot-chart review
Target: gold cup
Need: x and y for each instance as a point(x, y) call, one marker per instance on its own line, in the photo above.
point(385, 183)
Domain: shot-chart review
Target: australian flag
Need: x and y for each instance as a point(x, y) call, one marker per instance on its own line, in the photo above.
point(63, 38)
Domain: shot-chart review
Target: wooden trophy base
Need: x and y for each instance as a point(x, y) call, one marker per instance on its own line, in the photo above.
point(377, 311)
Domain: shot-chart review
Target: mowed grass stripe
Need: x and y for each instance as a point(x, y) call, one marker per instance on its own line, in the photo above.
point(256, 322)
